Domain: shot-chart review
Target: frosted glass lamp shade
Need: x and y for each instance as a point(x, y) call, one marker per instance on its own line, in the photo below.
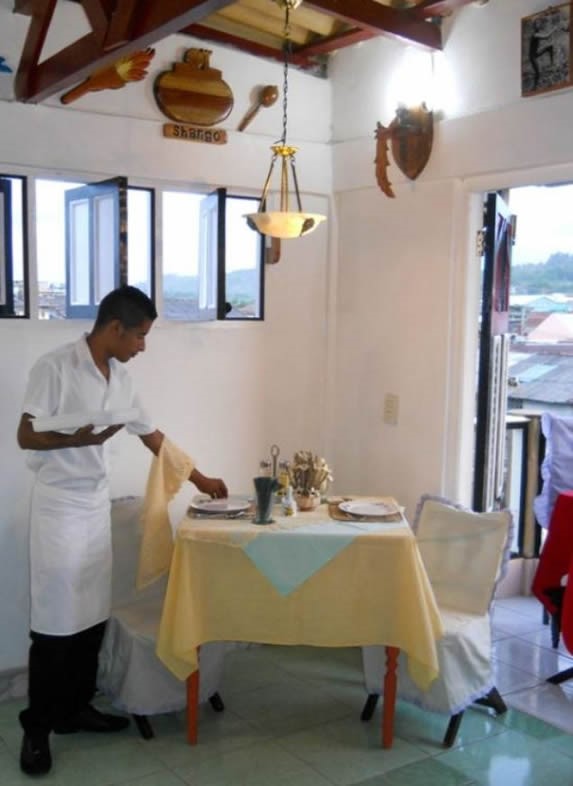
point(283, 224)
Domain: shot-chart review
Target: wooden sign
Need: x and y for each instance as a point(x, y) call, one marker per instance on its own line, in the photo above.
point(193, 92)
point(212, 136)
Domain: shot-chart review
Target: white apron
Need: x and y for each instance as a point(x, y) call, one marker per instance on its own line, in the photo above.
point(70, 556)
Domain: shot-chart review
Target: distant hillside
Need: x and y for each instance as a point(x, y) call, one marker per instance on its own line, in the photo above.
point(555, 275)
point(241, 285)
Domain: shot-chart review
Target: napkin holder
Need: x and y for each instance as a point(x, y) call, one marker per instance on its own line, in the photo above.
point(264, 489)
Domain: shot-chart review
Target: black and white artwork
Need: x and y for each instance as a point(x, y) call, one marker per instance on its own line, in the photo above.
point(545, 50)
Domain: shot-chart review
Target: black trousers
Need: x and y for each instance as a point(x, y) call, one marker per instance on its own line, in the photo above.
point(62, 673)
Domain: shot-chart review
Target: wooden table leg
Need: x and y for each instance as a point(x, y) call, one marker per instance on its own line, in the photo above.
point(192, 707)
point(389, 696)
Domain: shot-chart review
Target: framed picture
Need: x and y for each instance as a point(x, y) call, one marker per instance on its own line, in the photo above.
point(546, 50)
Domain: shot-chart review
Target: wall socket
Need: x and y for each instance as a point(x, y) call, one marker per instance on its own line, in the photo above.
point(391, 407)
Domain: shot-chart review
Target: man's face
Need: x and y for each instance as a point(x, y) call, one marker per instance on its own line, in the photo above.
point(130, 341)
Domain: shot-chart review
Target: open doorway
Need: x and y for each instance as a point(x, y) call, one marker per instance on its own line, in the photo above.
point(525, 364)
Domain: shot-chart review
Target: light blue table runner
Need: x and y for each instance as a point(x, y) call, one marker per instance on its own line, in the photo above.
point(289, 557)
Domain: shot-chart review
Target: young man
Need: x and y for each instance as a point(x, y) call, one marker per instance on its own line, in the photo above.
point(70, 532)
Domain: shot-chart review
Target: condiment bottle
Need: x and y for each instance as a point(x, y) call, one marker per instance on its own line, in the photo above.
point(283, 478)
point(265, 468)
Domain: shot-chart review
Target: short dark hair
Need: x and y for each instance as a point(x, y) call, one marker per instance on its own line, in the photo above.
point(128, 304)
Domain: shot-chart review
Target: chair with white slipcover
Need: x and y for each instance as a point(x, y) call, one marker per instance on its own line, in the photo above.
point(130, 673)
point(465, 554)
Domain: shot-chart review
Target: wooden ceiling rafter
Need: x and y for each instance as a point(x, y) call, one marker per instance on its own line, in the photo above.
point(298, 58)
point(324, 46)
point(131, 26)
point(383, 20)
point(430, 8)
point(120, 27)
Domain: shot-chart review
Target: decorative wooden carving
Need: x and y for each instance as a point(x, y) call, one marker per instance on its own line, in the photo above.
point(132, 68)
point(193, 92)
point(411, 134)
point(267, 96)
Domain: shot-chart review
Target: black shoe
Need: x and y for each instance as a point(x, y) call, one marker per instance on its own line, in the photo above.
point(35, 757)
point(90, 719)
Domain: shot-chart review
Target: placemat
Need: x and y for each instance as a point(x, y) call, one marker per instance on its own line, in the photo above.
point(340, 515)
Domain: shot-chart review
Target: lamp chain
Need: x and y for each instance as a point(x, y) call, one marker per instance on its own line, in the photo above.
point(286, 52)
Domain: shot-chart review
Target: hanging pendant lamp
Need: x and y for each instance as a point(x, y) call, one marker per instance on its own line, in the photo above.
point(284, 223)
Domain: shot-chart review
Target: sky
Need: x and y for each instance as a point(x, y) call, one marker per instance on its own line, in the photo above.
point(544, 222)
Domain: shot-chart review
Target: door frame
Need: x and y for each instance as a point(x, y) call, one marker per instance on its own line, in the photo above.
point(468, 196)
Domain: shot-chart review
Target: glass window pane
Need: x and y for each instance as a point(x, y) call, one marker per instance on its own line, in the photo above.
point(180, 250)
point(51, 247)
point(80, 253)
point(18, 244)
point(242, 261)
point(2, 252)
point(140, 238)
point(105, 232)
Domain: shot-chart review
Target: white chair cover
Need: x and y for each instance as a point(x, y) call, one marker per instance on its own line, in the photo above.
point(130, 673)
point(464, 554)
point(557, 465)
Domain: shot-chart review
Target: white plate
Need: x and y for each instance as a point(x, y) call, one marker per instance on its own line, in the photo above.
point(373, 509)
point(74, 420)
point(220, 507)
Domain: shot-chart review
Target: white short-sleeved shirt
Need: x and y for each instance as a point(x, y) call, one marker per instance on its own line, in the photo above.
point(67, 381)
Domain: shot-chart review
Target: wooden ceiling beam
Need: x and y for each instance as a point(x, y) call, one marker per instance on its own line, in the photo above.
point(25, 7)
point(152, 21)
point(334, 42)
point(120, 24)
point(203, 32)
point(427, 8)
point(383, 20)
point(98, 16)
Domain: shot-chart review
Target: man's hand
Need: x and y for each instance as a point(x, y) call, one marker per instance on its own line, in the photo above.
point(85, 435)
point(214, 487)
point(28, 439)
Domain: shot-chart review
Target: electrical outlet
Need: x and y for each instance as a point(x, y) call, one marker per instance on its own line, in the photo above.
point(391, 406)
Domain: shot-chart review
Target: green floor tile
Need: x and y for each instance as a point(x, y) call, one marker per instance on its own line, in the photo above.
point(425, 773)
point(510, 759)
point(527, 724)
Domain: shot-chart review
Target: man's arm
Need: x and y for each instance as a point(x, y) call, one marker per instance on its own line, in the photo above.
point(28, 439)
point(214, 487)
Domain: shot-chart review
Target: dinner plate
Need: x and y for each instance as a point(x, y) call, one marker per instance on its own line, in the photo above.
point(373, 509)
point(75, 420)
point(220, 507)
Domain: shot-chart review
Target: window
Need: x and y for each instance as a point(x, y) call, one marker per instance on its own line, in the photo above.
point(212, 262)
point(93, 237)
point(82, 248)
point(13, 279)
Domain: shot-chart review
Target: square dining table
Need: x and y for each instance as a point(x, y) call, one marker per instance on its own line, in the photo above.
point(302, 580)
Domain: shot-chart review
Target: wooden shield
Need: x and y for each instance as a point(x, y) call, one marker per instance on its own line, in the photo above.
point(412, 134)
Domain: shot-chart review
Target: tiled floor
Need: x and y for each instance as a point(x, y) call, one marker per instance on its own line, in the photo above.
point(292, 719)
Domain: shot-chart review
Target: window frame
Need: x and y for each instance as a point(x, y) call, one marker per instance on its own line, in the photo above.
point(6, 313)
point(155, 188)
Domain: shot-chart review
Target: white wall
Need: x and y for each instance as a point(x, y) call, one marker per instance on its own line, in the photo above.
point(224, 392)
point(407, 272)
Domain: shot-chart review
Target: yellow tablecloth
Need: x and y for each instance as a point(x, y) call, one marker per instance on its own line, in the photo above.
point(375, 591)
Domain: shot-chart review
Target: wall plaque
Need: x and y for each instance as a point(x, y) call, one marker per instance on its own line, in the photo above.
point(212, 136)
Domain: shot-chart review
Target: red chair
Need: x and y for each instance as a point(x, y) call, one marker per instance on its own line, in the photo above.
point(555, 564)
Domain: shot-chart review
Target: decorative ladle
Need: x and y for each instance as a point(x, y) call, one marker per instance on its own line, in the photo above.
point(267, 97)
